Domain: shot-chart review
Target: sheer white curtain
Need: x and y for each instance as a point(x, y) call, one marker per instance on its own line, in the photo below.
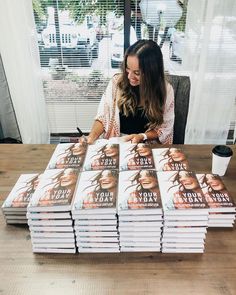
point(18, 47)
point(210, 58)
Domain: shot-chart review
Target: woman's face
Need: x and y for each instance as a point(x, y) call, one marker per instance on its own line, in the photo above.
point(147, 180)
point(78, 149)
point(189, 182)
point(107, 180)
point(143, 150)
point(68, 177)
point(176, 154)
point(214, 182)
point(111, 150)
point(132, 70)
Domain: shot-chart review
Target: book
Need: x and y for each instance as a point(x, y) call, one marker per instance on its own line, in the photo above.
point(216, 193)
point(98, 239)
point(140, 249)
point(181, 250)
point(45, 240)
point(95, 228)
point(96, 234)
point(97, 244)
point(95, 222)
point(148, 240)
point(136, 156)
point(184, 235)
point(55, 245)
point(21, 193)
point(53, 250)
point(98, 250)
point(184, 229)
point(139, 191)
point(102, 156)
point(97, 190)
point(55, 191)
point(68, 155)
point(170, 159)
point(181, 193)
point(50, 222)
point(141, 234)
point(153, 217)
point(50, 229)
point(51, 235)
point(48, 215)
point(140, 244)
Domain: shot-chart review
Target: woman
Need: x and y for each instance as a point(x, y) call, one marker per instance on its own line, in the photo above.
point(139, 101)
point(59, 189)
point(215, 191)
point(146, 193)
point(102, 191)
point(26, 192)
point(189, 194)
point(106, 157)
point(140, 156)
point(72, 157)
point(176, 160)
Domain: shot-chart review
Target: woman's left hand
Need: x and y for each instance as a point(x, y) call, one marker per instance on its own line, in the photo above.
point(133, 138)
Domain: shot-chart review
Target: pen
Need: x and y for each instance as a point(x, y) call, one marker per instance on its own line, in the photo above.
point(81, 134)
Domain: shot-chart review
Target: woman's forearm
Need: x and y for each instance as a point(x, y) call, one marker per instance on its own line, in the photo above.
point(97, 130)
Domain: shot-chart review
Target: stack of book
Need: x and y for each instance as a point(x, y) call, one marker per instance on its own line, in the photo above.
point(139, 211)
point(15, 206)
point(222, 207)
point(185, 212)
point(49, 212)
point(94, 212)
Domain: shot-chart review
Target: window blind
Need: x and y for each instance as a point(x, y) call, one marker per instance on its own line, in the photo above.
point(76, 41)
point(81, 45)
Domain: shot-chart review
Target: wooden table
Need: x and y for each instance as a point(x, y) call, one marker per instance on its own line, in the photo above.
point(23, 272)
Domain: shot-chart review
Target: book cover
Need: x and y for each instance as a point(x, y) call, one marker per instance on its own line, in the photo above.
point(136, 156)
point(180, 190)
point(68, 155)
point(22, 192)
point(56, 188)
point(170, 159)
point(138, 189)
point(96, 190)
point(215, 192)
point(102, 156)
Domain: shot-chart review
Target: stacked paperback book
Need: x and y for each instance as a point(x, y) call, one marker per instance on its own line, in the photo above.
point(185, 212)
point(94, 212)
point(139, 211)
point(15, 206)
point(221, 205)
point(49, 212)
point(119, 197)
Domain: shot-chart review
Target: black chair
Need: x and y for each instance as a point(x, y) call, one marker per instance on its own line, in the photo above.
point(181, 86)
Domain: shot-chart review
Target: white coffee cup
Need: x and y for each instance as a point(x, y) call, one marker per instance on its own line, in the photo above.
point(221, 155)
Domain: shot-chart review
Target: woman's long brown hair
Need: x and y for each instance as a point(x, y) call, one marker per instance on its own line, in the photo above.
point(152, 82)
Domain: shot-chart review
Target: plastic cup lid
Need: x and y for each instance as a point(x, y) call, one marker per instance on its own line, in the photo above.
point(222, 151)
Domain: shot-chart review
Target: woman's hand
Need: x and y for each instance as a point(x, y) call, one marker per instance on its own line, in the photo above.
point(133, 138)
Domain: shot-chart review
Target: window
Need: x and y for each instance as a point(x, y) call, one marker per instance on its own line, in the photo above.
point(81, 45)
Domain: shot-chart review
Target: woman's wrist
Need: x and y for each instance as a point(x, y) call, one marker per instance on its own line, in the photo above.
point(144, 136)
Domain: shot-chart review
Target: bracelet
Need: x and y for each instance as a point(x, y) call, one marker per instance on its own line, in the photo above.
point(144, 135)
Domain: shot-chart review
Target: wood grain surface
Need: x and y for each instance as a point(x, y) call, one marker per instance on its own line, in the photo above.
point(25, 273)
